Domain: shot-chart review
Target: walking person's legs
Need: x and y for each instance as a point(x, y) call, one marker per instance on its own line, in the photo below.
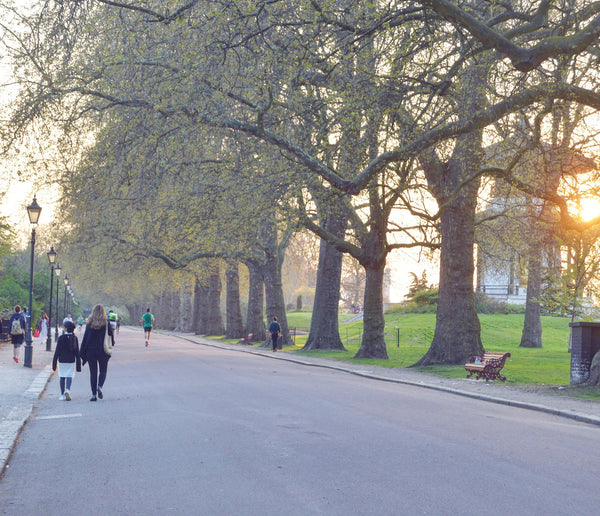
point(93, 365)
point(102, 376)
point(274, 340)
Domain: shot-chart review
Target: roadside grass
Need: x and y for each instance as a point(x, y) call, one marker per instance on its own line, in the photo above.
point(408, 337)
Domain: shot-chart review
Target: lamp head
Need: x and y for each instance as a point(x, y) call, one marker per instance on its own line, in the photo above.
point(34, 210)
point(51, 255)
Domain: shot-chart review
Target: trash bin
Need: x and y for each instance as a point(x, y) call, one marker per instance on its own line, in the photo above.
point(585, 343)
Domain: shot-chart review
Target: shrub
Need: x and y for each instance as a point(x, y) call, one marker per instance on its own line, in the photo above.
point(485, 304)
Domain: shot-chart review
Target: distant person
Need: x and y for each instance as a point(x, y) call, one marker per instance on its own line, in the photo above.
point(41, 328)
point(68, 318)
point(16, 328)
point(148, 321)
point(119, 321)
point(274, 330)
point(113, 318)
point(67, 356)
point(92, 349)
point(80, 322)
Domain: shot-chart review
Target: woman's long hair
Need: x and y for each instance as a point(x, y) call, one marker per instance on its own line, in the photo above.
point(97, 318)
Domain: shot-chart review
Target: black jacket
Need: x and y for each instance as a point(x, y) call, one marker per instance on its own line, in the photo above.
point(93, 341)
point(67, 351)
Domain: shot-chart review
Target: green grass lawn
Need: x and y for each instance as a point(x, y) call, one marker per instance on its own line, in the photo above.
point(409, 336)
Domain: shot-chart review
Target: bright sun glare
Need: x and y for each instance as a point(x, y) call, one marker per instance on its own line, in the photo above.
point(589, 208)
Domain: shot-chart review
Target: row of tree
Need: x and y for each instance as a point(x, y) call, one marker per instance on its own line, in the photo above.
point(200, 133)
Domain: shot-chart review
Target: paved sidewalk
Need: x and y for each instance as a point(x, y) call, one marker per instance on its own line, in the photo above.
point(21, 387)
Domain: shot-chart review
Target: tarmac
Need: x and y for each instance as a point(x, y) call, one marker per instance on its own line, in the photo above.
point(21, 388)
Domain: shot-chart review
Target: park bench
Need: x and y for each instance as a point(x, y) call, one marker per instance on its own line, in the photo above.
point(247, 339)
point(488, 366)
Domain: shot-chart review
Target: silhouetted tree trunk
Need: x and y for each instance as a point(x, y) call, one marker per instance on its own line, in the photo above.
point(214, 318)
point(532, 327)
point(271, 273)
point(255, 321)
point(324, 327)
point(201, 307)
point(373, 341)
point(235, 324)
point(455, 185)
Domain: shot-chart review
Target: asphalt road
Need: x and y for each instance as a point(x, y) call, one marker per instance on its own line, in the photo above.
point(189, 429)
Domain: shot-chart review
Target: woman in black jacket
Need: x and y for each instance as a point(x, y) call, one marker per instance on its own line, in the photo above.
point(66, 355)
point(92, 349)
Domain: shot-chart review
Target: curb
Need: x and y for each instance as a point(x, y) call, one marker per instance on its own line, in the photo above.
point(11, 426)
point(577, 416)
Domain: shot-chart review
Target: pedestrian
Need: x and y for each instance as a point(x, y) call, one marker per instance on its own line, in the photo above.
point(119, 321)
point(16, 328)
point(80, 322)
point(41, 328)
point(92, 349)
point(67, 356)
point(148, 321)
point(274, 330)
point(112, 319)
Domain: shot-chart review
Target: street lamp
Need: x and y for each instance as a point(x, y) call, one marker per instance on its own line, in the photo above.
point(33, 211)
point(57, 272)
point(51, 259)
point(66, 282)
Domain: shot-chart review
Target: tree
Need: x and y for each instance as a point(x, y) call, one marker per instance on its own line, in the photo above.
point(432, 76)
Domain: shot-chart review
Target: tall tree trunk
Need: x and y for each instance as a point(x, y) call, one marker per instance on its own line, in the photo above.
point(324, 325)
point(457, 332)
point(532, 327)
point(201, 307)
point(185, 308)
point(255, 322)
point(235, 324)
point(274, 297)
point(455, 185)
point(196, 324)
point(214, 317)
point(373, 341)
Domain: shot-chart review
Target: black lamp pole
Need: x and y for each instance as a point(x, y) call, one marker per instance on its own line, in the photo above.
point(51, 258)
point(66, 282)
point(57, 272)
point(33, 211)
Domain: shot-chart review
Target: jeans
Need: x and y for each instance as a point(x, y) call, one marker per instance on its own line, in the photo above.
point(62, 384)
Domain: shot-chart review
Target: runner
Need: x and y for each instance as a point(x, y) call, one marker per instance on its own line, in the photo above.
point(148, 320)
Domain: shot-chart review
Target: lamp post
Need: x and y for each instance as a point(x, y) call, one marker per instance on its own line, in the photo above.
point(33, 211)
point(51, 258)
point(66, 282)
point(57, 272)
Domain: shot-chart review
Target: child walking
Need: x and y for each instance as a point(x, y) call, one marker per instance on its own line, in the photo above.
point(67, 356)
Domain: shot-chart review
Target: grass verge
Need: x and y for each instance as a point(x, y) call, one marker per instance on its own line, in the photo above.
point(408, 337)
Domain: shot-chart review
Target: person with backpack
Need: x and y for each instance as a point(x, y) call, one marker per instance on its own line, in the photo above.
point(16, 328)
point(66, 356)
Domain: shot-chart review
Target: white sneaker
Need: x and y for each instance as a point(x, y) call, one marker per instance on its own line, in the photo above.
point(67, 395)
point(62, 398)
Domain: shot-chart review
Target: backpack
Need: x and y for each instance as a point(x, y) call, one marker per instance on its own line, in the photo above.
point(16, 328)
